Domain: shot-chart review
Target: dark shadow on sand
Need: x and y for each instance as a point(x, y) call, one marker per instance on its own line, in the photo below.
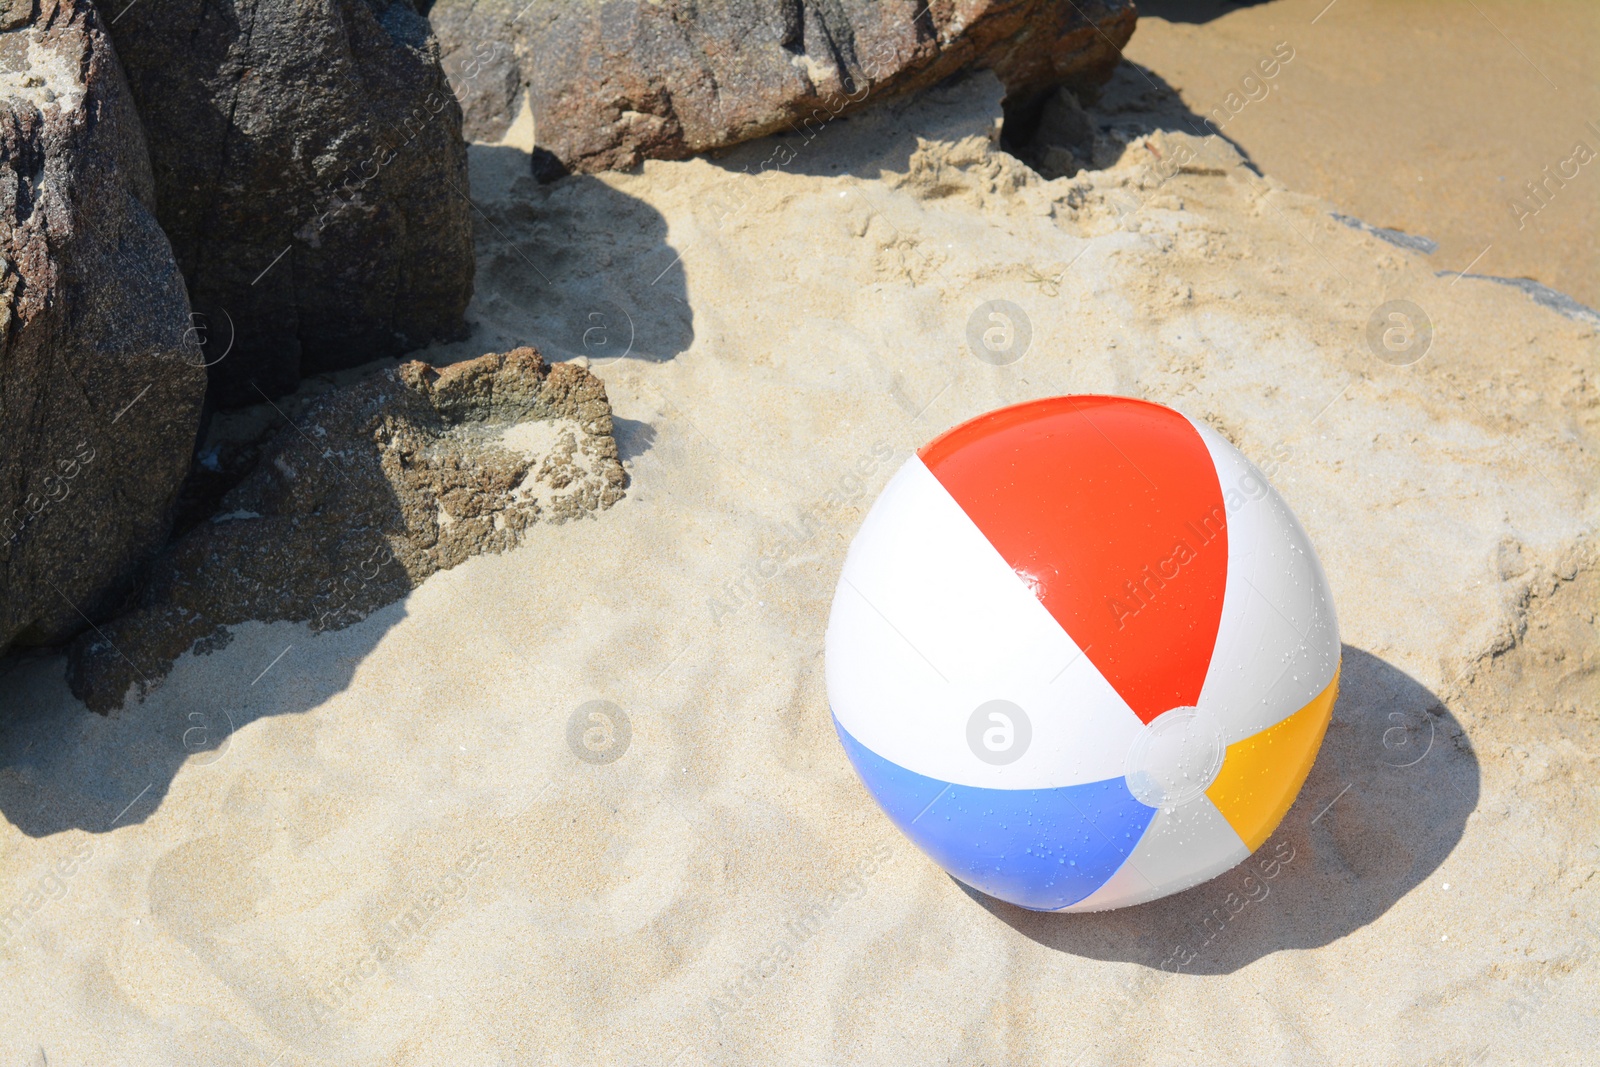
point(1193, 11)
point(1135, 103)
point(589, 263)
point(1386, 802)
point(884, 134)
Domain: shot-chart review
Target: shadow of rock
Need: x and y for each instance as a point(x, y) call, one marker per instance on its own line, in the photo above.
point(1193, 11)
point(64, 767)
point(410, 471)
point(1062, 134)
point(542, 279)
point(1055, 134)
point(575, 266)
point(634, 438)
point(1386, 802)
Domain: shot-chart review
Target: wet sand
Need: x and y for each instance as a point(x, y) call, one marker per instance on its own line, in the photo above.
point(1429, 116)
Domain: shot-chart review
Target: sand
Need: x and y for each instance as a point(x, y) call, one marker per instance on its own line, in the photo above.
point(1432, 116)
point(417, 840)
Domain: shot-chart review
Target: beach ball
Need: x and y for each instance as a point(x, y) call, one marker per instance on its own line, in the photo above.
point(1081, 653)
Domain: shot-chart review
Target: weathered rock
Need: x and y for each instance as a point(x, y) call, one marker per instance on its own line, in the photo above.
point(479, 53)
point(408, 472)
point(611, 84)
point(99, 394)
point(311, 174)
point(15, 13)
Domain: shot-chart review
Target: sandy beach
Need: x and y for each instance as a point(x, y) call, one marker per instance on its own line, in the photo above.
point(388, 844)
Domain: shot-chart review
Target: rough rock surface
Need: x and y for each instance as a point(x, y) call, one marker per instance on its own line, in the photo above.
point(310, 172)
point(99, 392)
point(409, 472)
point(611, 84)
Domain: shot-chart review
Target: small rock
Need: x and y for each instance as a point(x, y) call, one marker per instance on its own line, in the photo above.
point(410, 471)
point(1064, 127)
point(14, 13)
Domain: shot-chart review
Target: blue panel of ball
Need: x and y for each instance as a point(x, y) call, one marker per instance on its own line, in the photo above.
point(1041, 848)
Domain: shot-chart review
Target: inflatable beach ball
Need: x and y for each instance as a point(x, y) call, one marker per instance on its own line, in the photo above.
point(1082, 654)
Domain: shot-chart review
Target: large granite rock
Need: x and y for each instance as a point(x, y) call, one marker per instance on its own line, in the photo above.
point(311, 174)
point(613, 83)
point(99, 394)
point(376, 486)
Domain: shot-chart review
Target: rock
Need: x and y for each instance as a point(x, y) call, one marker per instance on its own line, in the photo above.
point(311, 174)
point(14, 13)
point(410, 471)
point(480, 61)
point(611, 84)
point(1063, 140)
point(99, 393)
